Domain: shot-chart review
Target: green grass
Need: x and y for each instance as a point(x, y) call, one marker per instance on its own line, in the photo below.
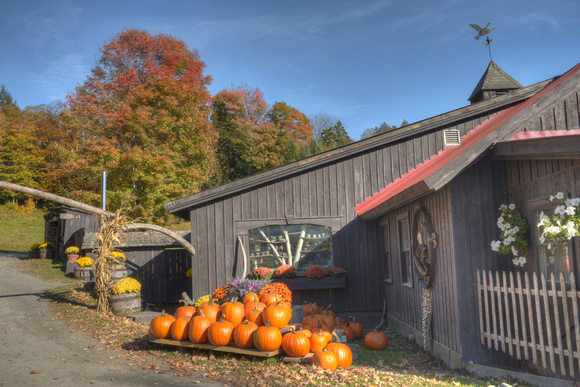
point(49, 269)
point(18, 232)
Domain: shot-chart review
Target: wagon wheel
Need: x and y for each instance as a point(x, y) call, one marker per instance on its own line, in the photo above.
point(424, 246)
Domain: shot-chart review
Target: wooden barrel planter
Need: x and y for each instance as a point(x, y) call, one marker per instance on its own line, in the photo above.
point(119, 272)
point(46, 254)
point(126, 303)
point(33, 254)
point(84, 273)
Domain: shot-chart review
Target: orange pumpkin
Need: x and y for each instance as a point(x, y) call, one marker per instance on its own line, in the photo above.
point(309, 308)
point(160, 326)
point(180, 329)
point(255, 316)
point(358, 328)
point(221, 333)
point(348, 332)
point(185, 312)
point(267, 338)
point(278, 314)
point(295, 344)
point(198, 327)
point(269, 298)
point(211, 311)
point(342, 352)
point(318, 341)
point(250, 297)
point(307, 332)
point(376, 340)
point(325, 359)
point(233, 312)
point(244, 334)
point(254, 305)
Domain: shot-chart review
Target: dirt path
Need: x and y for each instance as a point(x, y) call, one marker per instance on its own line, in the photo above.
point(38, 348)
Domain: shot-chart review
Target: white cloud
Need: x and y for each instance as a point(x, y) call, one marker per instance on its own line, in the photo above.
point(536, 20)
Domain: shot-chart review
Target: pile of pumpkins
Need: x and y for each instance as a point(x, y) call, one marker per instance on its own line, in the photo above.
point(257, 323)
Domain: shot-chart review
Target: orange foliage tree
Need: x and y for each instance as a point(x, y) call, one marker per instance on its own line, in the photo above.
point(142, 115)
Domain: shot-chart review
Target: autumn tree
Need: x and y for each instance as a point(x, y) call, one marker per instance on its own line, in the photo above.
point(142, 115)
point(247, 138)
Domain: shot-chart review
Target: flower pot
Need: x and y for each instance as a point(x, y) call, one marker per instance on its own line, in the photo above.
point(119, 272)
point(126, 303)
point(46, 254)
point(72, 257)
point(84, 273)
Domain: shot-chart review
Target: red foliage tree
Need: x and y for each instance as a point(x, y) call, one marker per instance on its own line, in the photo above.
point(142, 116)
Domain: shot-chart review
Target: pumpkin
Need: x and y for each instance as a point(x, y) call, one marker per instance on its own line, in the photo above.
point(358, 328)
point(244, 334)
point(269, 298)
point(185, 312)
point(311, 320)
point(295, 344)
point(254, 305)
point(255, 316)
point(309, 308)
point(321, 327)
point(160, 326)
point(325, 359)
point(211, 311)
point(307, 332)
point(342, 352)
point(180, 329)
point(376, 340)
point(221, 333)
point(198, 327)
point(250, 297)
point(233, 312)
point(278, 314)
point(328, 312)
point(348, 332)
point(267, 338)
point(318, 341)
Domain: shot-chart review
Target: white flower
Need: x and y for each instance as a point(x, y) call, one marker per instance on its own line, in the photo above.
point(522, 261)
point(516, 260)
point(514, 251)
point(502, 207)
point(560, 195)
point(560, 210)
point(542, 239)
point(570, 210)
point(512, 206)
point(551, 259)
point(551, 198)
point(495, 245)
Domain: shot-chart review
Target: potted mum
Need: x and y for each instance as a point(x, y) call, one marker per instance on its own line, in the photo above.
point(46, 250)
point(119, 269)
point(84, 269)
point(126, 297)
point(34, 251)
point(72, 253)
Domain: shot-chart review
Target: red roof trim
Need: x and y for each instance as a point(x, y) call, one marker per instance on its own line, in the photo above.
point(436, 162)
point(544, 134)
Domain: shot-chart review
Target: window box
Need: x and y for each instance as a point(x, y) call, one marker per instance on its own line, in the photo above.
point(302, 283)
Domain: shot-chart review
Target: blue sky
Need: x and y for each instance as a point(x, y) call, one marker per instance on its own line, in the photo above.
point(364, 62)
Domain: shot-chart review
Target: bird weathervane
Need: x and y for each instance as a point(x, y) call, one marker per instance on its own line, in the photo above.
point(482, 32)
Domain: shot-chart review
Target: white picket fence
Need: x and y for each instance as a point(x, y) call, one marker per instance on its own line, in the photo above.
point(535, 321)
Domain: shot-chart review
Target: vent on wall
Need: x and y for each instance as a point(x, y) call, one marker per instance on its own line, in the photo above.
point(451, 137)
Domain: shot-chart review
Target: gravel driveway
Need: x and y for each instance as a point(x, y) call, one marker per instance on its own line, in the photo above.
point(36, 348)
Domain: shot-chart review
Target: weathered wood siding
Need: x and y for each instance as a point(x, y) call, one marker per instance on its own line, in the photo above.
point(161, 272)
point(323, 195)
point(403, 302)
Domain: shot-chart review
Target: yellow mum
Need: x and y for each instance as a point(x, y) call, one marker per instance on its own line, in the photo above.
point(84, 261)
point(201, 300)
point(126, 285)
point(119, 256)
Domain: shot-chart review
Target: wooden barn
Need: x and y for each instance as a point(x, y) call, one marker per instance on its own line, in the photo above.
point(410, 215)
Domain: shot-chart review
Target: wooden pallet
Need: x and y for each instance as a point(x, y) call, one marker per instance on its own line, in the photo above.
point(228, 348)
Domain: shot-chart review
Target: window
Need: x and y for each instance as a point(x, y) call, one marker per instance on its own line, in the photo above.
point(301, 246)
point(386, 250)
point(405, 250)
point(556, 260)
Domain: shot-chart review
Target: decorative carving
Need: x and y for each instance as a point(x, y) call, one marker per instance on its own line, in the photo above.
point(425, 255)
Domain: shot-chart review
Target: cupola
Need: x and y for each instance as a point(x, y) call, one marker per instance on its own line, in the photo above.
point(493, 83)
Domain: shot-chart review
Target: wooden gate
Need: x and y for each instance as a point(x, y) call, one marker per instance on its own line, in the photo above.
point(535, 321)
